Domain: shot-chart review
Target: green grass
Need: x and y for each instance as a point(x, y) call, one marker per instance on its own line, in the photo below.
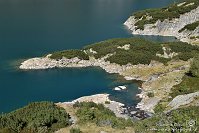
point(170, 12)
point(190, 27)
point(36, 117)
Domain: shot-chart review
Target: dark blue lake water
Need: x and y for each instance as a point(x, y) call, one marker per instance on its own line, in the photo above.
point(30, 28)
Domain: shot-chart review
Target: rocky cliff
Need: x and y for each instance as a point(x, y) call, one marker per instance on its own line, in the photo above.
point(168, 27)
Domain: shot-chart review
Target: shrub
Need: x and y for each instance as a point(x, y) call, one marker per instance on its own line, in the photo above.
point(38, 116)
point(150, 94)
point(189, 84)
point(107, 102)
point(140, 51)
point(100, 115)
point(177, 120)
point(69, 54)
point(75, 130)
point(194, 70)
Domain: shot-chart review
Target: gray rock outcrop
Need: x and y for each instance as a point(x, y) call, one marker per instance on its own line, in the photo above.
point(168, 27)
point(182, 100)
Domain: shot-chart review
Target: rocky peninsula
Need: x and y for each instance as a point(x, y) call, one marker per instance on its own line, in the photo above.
point(179, 20)
point(157, 77)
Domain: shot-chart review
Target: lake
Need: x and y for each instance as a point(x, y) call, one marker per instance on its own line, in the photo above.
point(30, 28)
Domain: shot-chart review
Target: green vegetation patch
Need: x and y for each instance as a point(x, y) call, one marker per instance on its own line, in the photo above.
point(110, 46)
point(170, 12)
point(190, 82)
point(183, 120)
point(190, 27)
point(75, 130)
point(70, 54)
point(141, 51)
point(100, 115)
point(42, 117)
point(194, 70)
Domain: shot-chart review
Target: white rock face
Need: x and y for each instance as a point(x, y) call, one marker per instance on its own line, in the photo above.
point(182, 100)
point(168, 27)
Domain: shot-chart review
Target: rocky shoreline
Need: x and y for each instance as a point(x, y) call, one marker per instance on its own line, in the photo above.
point(120, 109)
point(169, 27)
point(114, 106)
point(147, 103)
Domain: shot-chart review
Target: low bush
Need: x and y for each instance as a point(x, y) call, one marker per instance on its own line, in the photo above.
point(100, 115)
point(183, 120)
point(42, 117)
point(194, 70)
point(188, 85)
point(75, 130)
point(140, 51)
point(69, 54)
point(150, 94)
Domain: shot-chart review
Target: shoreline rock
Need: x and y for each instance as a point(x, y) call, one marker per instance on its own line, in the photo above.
point(169, 27)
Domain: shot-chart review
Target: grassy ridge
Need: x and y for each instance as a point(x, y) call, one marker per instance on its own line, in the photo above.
point(42, 117)
point(170, 12)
